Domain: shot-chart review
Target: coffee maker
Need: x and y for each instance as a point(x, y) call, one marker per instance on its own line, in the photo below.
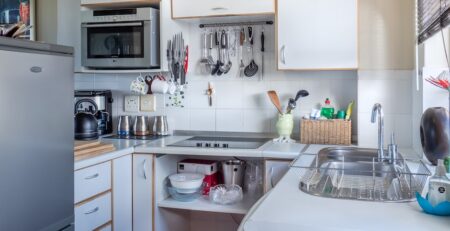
point(102, 101)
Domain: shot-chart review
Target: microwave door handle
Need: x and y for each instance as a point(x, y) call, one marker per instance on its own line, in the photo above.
point(112, 25)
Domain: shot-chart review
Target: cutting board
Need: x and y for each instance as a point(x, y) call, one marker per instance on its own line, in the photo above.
point(88, 149)
point(78, 145)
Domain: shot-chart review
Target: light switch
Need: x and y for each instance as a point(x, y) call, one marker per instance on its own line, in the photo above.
point(148, 103)
point(131, 103)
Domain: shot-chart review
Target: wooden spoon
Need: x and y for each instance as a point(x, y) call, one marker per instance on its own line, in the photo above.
point(275, 100)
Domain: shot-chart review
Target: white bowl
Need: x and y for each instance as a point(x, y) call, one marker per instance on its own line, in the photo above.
point(186, 181)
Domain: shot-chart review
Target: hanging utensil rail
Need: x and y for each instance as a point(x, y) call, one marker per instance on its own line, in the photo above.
point(236, 24)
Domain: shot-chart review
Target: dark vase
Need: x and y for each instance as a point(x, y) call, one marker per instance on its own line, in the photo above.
point(434, 134)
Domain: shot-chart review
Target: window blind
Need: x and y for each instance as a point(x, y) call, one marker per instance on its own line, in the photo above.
point(432, 15)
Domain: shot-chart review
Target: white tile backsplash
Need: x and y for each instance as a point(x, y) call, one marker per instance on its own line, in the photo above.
point(393, 90)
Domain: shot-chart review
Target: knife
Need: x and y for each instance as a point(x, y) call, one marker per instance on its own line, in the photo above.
point(262, 53)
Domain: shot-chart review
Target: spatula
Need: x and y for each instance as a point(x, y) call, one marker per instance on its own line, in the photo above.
point(275, 100)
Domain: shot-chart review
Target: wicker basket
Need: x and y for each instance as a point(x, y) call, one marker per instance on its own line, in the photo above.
point(335, 131)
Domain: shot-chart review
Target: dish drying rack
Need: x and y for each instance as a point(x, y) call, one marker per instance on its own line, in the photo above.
point(371, 181)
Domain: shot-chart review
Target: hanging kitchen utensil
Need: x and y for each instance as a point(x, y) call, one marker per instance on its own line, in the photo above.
point(204, 62)
point(223, 45)
point(185, 65)
point(169, 58)
point(210, 47)
point(229, 64)
point(241, 52)
point(217, 43)
point(251, 68)
point(262, 53)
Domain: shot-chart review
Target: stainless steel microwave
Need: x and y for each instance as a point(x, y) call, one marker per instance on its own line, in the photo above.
point(120, 38)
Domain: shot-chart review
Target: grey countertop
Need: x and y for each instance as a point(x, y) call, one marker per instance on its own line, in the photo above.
point(10, 44)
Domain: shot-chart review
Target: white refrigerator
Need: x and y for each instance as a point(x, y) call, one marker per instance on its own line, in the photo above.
point(36, 136)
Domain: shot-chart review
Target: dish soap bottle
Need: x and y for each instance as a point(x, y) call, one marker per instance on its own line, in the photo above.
point(327, 111)
point(439, 185)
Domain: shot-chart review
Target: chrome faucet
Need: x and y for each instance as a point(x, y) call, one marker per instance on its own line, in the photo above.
point(377, 110)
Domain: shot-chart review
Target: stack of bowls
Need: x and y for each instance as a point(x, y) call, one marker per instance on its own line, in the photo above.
point(186, 186)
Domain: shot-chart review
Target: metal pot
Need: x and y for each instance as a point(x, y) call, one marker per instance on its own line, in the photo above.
point(233, 172)
point(434, 133)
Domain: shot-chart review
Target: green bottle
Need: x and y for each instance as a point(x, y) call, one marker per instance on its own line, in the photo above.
point(327, 110)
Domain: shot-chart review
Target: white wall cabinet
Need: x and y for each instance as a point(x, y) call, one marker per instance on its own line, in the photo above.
point(208, 8)
point(274, 171)
point(317, 35)
point(122, 193)
point(142, 192)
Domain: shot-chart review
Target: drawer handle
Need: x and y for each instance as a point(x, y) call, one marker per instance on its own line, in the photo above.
point(92, 211)
point(36, 69)
point(92, 177)
point(219, 8)
point(144, 166)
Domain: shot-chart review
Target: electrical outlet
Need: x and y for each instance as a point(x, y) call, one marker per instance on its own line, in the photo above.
point(148, 103)
point(131, 103)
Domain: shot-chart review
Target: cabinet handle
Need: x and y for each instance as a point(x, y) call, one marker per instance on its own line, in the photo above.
point(271, 178)
point(36, 69)
point(283, 54)
point(92, 211)
point(144, 166)
point(92, 177)
point(219, 8)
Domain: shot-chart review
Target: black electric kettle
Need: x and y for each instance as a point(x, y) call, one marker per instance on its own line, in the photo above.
point(86, 125)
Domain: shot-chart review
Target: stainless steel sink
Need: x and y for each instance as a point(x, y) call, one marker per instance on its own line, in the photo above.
point(359, 174)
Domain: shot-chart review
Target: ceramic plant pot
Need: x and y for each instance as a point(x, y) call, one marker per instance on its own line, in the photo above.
point(434, 134)
point(285, 125)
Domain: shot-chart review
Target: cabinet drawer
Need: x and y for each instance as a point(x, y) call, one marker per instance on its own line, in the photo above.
point(93, 214)
point(208, 8)
point(92, 181)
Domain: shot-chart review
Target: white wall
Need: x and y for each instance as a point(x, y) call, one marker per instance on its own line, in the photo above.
point(386, 44)
point(239, 104)
point(432, 62)
point(46, 21)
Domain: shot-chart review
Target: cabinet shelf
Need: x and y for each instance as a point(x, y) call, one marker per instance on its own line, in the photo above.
point(203, 204)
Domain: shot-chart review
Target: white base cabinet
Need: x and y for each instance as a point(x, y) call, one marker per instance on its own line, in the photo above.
point(216, 8)
point(274, 171)
point(122, 193)
point(317, 35)
point(142, 192)
point(94, 213)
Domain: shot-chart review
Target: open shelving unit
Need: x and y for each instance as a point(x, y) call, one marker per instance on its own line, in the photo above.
point(205, 205)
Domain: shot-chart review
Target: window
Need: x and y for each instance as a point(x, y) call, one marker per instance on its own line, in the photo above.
point(432, 15)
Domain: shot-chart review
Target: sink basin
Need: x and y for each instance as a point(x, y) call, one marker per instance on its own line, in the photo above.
point(356, 173)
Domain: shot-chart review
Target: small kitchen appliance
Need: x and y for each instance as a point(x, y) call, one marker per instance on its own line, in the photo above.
point(101, 100)
point(86, 125)
point(205, 167)
point(120, 38)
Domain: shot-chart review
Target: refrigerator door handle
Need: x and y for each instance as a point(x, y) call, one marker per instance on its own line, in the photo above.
point(92, 211)
point(92, 177)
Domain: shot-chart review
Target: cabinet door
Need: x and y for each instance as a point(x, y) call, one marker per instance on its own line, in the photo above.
point(123, 193)
point(274, 171)
point(208, 8)
point(317, 35)
point(142, 192)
